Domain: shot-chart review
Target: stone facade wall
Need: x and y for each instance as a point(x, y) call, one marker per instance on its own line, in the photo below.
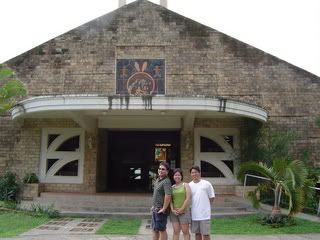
point(22, 153)
point(9, 132)
point(200, 62)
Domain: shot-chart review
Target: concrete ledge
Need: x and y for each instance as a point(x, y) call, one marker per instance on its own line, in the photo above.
point(93, 102)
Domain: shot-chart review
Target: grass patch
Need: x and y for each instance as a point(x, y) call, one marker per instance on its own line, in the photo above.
point(120, 226)
point(249, 225)
point(14, 223)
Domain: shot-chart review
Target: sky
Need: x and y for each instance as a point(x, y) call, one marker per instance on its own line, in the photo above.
point(287, 29)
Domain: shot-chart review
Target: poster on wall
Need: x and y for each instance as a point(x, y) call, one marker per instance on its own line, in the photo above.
point(140, 77)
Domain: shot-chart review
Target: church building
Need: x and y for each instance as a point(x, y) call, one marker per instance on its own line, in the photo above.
point(108, 100)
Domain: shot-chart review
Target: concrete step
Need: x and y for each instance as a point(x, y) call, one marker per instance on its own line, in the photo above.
point(126, 205)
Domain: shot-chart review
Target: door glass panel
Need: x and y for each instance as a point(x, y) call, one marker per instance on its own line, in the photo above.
point(161, 150)
point(208, 170)
point(70, 169)
point(208, 145)
point(50, 162)
point(51, 138)
point(229, 164)
point(135, 174)
point(71, 144)
point(229, 140)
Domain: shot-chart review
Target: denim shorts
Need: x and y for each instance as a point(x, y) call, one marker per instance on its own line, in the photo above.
point(159, 221)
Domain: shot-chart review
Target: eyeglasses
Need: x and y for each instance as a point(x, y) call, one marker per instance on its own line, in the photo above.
point(162, 169)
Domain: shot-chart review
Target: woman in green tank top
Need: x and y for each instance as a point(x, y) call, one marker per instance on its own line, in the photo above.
point(180, 209)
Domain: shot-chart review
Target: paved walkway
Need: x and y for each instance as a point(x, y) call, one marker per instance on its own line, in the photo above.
point(84, 229)
point(148, 237)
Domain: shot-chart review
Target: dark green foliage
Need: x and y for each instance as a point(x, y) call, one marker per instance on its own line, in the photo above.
point(277, 221)
point(8, 186)
point(313, 172)
point(10, 90)
point(30, 178)
point(272, 160)
point(5, 72)
point(265, 144)
point(7, 205)
point(273, 144)
point(249, 145)
point(250, 225)
point(312, 203)
point(45, 210)
point(285, 176)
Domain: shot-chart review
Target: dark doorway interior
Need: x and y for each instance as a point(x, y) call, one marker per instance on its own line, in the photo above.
point(134, 156)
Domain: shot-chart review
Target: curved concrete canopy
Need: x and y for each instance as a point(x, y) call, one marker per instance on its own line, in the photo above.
point(63, 103)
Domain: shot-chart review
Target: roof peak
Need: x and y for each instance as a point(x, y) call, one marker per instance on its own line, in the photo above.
point(163, 3)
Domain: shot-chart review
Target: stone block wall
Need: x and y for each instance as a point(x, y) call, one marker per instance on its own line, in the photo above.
point(187, 150)
point(21, 153)
point(200, 62)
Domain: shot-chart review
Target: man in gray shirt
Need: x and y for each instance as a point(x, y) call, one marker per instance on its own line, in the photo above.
point(160, 202)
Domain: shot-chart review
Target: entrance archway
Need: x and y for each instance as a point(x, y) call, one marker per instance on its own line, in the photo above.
point(133, 158)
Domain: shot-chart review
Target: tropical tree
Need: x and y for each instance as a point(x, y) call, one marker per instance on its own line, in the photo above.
point(284, 177)
point(272, 160)
point(10, 90)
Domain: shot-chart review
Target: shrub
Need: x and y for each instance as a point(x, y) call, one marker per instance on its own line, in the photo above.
point(8, 205)
point(8, 186)
point(45, 210)
point(30, 178)
point(277, 221)
point(312, 203)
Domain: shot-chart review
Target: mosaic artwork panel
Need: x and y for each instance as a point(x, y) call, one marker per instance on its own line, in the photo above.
point(140, 77)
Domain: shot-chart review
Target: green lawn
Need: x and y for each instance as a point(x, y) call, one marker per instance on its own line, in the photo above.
point(120, 226)
point(249, 225)
point(14, 223)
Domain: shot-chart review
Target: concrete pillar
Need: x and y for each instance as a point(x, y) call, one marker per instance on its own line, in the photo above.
point(187, 152)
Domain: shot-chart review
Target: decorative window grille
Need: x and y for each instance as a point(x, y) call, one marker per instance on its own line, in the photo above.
point(62, 154)
point(216, 151)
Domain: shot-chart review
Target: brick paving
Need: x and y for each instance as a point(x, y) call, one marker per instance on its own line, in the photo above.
point(66, 226)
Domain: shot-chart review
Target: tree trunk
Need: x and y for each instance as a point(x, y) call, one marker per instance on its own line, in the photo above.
point(276, 211)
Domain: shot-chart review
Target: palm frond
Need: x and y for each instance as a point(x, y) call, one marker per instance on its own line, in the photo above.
point(288, 191)
point(259, 168)
point(254, 196)
point(279, 167)
point(298, 200)
point(300, 172)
